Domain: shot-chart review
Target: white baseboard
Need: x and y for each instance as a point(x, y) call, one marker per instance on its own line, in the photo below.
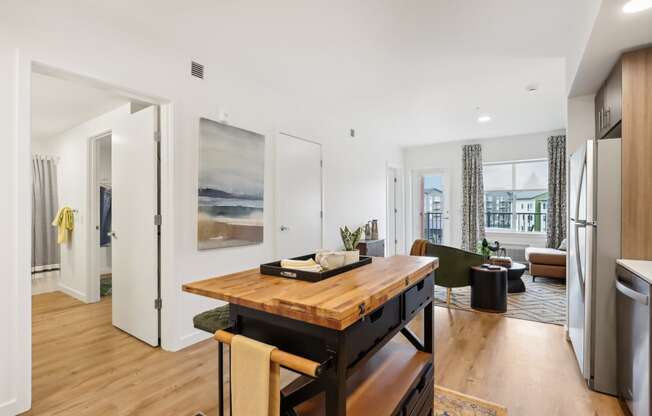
point(73, 292)
point(192, 338)
point(8, 408)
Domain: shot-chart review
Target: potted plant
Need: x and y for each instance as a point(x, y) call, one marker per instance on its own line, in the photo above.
point(484, 249)
point(351, 240)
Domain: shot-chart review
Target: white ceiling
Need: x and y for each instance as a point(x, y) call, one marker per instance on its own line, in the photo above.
point(59, 105)
point(614, 32)
point(409, 72)
point(405, 71)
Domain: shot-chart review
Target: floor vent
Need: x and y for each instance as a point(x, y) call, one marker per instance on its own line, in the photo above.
point(197, 70)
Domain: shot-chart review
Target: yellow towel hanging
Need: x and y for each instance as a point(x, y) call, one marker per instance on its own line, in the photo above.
point(65, 221)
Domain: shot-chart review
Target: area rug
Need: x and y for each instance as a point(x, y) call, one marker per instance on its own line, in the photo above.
point(543, 301)
point(452, 403)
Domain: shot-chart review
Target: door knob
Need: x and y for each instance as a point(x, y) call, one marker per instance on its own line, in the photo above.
point(284, 228)
point(112, 235)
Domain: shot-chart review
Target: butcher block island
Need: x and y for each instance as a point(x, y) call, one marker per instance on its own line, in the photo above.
point(345, 323)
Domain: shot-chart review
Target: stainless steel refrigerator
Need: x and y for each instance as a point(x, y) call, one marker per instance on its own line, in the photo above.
point(594, 190)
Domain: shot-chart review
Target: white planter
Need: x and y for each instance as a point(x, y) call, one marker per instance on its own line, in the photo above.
point(351, 256)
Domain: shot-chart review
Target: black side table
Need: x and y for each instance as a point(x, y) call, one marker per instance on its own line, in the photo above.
point(489, 289)
point(514, 282)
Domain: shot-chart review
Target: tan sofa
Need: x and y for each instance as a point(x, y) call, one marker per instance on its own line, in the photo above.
point(546, 262)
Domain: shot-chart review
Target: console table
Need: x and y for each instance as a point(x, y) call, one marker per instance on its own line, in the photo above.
point(374, 248)
point(346, 323)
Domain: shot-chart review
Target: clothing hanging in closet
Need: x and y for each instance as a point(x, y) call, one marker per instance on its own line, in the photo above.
point(105, 215)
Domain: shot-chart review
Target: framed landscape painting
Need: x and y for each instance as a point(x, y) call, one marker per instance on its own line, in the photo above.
point(231, 186)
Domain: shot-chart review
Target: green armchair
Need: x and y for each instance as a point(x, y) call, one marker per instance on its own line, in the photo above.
point(454, 265)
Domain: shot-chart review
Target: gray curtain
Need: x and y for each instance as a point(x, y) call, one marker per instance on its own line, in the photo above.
point(556, 216)
point(45, 251)
point(473, 197)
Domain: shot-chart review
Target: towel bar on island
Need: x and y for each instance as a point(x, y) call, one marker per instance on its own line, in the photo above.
point(284, 359)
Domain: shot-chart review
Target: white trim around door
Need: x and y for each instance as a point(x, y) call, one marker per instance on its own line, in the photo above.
point(25, 65)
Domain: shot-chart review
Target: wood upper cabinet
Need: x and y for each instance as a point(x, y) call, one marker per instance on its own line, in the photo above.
point(608, 104)
point(637, 155)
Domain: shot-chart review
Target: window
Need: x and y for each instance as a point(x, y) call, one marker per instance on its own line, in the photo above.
point(516, 195)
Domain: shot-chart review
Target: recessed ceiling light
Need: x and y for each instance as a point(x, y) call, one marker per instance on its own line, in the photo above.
point(635, 6)
point(484, 119)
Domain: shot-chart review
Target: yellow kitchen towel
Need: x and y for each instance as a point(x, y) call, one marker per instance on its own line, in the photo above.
point(255, 379)
point(65, 221)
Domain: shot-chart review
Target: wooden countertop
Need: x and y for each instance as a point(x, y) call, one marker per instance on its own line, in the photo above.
point(332, 303)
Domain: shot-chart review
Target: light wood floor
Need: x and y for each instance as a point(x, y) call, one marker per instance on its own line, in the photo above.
point(85, 366)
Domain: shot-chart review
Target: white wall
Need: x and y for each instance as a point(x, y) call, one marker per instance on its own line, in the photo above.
point(448, 156)
point(354, 168)
point(10, 359)
point(581, 121)
point(72, 147)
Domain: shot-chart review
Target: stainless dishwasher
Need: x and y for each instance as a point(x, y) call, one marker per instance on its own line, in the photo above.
point(633, 312)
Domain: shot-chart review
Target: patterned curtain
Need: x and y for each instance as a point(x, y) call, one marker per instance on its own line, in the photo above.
point(45, 251)
point(473, 197)
point(556, 221)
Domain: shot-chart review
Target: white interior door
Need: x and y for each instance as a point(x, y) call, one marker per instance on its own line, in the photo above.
point(134, 244)
point(298, 196)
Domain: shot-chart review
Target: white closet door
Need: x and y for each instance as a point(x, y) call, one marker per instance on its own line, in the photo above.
point(135, 235)
point(298, 196)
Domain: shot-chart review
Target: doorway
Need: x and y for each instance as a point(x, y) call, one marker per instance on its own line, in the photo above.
point(432, 202)
point(299, 196)
point(27, 68)
point(96, 200)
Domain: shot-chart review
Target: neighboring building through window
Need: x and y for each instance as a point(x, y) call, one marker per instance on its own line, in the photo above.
point(516, 195)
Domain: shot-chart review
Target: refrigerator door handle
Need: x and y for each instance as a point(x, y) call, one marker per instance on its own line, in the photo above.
point(578, 261)
point(632, 294)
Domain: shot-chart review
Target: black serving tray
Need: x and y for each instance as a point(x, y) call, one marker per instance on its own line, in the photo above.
point(275, 269)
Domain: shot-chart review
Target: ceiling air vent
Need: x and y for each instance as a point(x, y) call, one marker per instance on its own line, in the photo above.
point(197, 70)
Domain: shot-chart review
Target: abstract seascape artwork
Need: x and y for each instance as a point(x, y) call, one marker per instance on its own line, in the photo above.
point(231, 185)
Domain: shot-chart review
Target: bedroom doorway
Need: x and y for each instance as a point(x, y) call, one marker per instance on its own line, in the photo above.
point(96, 201)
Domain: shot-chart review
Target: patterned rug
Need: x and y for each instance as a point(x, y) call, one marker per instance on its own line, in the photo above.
point(543, 301)
point(452, 403)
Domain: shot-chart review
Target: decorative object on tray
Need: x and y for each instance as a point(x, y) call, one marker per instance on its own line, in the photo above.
point(231, 186)
point(452, 403)
point(297, 272)
point(351, 240)
point(374, 229)
point(309, 265)
point(367, 231)
point(330, 259)
point(501, 261)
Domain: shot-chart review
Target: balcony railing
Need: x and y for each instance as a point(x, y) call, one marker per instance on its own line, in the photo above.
point(517, 221)
point(432, 227)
